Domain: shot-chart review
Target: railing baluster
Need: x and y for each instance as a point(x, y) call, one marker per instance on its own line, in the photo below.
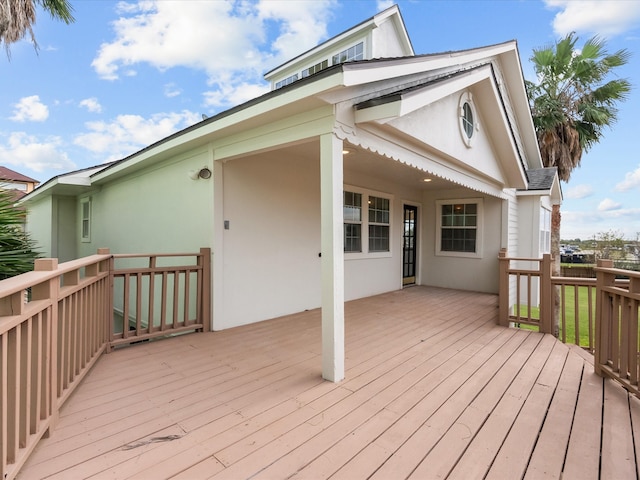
point(187, 274)
point(176, 297)
point(4, 403)
point(48, 342)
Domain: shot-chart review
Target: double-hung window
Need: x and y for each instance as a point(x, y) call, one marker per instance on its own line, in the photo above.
point(459, 227)
point(378, 224)
point(545, 230)
point(85, 219)
point(366, 232)
point(352, 212)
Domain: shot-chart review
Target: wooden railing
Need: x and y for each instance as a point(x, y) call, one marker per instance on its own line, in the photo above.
point(598, 314)
point(153, 300)
point(56, 321)
point(617, 312)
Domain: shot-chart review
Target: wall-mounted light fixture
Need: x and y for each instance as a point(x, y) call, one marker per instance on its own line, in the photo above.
point(204, 173)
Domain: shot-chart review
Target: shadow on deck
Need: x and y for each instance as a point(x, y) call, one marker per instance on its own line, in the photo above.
point(433, 389)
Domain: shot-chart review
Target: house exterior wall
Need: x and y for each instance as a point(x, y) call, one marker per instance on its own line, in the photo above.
point(158, 209)
point(459, 272)
point(67, 228)
point(373, 275)
point(438, 125)
point(272, 244)
point(41, 223)
point(384, 41)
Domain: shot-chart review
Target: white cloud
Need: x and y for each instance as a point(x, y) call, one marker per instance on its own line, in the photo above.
point(38, 154)
point(226, 40)
point(602, 17)
point(171, 90)
point(30, 109)
point(579, 191)
point(384, 4)
point(202, 35)
point(91, 104)
point(233, 94)
point(608, 205)
point(302, 24)
point(129, 133)
point(631, 181)
point(586, 224)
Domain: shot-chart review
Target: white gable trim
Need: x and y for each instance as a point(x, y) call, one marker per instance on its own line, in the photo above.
point(412, 101)
point(421, 160)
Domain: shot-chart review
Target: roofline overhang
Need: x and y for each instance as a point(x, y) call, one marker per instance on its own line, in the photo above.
point(554, 192)
point(383, 110)
point(342, 75)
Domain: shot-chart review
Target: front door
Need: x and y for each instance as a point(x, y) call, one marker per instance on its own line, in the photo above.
point(409, 245)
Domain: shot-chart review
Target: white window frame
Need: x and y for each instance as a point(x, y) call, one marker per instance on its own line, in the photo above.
point(467, 98)
point(85, 201)
point(365, 253)
point(479, 227)
point(545, 230)
point(349, 56)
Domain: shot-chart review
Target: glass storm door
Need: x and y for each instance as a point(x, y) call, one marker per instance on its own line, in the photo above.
point(409, 245)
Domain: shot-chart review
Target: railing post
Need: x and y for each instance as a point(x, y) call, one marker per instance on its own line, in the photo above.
point(109, 326)
point(503, 291)
point(50, 290)
point(205, 258)
point(546, 295)
point(603, 315)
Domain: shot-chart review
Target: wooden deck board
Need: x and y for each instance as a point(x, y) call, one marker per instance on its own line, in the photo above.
point(548, 457)
point(618, 455)
point(433, 389)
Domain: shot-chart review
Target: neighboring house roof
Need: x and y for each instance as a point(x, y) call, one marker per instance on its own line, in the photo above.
point(12, 175)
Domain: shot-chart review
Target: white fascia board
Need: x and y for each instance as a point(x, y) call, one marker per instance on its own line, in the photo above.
point(521, 177)
point(367, 72)
point(512, 71)
point(75, 180)
point(80, 179)
point(412, 101)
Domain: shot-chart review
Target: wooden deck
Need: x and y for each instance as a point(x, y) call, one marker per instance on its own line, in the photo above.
point(434, 389)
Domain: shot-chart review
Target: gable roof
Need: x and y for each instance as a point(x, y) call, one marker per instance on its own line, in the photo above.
point(543, 181)
point(343, 81)
point(13, 176)
point(541, 178)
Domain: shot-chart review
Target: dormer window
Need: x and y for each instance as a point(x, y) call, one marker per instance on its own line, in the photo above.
point(315, 69)
point(354, 53)
point(287, 81)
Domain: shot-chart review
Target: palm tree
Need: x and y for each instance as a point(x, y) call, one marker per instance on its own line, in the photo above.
point(572, 102)
point(17, 17)
point(17, 249)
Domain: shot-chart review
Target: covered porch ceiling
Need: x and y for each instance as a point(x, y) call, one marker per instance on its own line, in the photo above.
point(363, 163)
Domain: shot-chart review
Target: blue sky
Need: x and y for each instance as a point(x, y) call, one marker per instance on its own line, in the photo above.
point(127, 74)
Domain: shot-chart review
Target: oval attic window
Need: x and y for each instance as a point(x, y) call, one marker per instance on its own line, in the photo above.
point(467, 118)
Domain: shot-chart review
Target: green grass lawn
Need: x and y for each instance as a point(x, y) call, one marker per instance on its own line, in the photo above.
point(570, 315)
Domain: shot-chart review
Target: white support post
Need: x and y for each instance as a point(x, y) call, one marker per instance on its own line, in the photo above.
point(332, 257)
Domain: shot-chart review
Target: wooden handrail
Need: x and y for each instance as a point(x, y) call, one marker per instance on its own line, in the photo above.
point(57, 320)
point(612, 310)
